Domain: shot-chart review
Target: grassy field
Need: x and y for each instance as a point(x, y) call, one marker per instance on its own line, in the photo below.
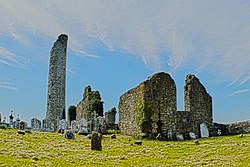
point(52, 149)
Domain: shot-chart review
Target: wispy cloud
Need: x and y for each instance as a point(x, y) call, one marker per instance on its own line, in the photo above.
point(7, 85)
point(205, 35)
point(10, 59)
point(240, 91)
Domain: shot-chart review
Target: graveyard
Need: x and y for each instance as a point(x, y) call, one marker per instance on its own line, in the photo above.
point(52, 149)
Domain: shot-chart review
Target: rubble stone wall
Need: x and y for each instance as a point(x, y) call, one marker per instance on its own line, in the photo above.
point(198, 102)
point(150, 107)
point(91, 102)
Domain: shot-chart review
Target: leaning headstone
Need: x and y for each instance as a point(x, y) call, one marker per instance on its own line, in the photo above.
point(204, 130)
point(74, 126)
point(158, 137)
point(96, 141)
point(36, 124)
point(192, 135)
point(179, 137)
point(69, 134)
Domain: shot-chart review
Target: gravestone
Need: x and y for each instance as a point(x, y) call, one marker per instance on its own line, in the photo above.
point(83, 124)
point(101, 124)
point(96, 141)
point(62, 125)
point(69, 134)
point(36, 124)
point(23, 125)
point(170, 135)
point(179, 137)
point(204, 130)
point(74, 126)
point(219, 132)
point(192, 135)
point(47, 126)
point(94, 123)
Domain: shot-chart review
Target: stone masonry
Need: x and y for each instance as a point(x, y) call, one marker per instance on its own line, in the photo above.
point(150, 108)
point(198, 103)
point(56, 81)
point(90, 103)
point(110, 118)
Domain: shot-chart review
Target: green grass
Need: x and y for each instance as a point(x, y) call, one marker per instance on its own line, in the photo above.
point(52, 149)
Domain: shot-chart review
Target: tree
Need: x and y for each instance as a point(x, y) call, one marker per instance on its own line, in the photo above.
point(71, 114)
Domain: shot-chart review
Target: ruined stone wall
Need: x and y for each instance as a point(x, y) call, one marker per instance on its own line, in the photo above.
point(57, 81)
point(110, 117)
point(183, 122)
point(130, 106)
point(198, 102)
point(150, 107)
point(91, 102)
point(239, 127)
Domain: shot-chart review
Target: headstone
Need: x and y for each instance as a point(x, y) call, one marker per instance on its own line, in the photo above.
point(69, 134)
point(179, 137)
point(204, 130)
point(35, 124)
point(74, 126)
point(170, 134)
point(101, 124)
point(48, 126)
point(23, 125)
point(96, 141)
point(158, 137)
point(62, 125)
point(83, 124)
point(219, 132)
point(192, 135)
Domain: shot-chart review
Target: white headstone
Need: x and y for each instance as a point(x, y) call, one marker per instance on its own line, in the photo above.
point(192, 135)
point(204, 130)
point(62, 124)
point(83, 124)
point(74, 126)
point(219, 132)
point(170, 134)
point(179, 137)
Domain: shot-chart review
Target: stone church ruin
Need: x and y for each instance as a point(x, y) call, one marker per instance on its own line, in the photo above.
point(150, 109)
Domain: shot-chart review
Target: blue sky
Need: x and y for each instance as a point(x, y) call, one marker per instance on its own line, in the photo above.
point(115, 45)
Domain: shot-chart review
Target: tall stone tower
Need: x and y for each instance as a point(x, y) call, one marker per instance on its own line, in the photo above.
point(56, 81)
